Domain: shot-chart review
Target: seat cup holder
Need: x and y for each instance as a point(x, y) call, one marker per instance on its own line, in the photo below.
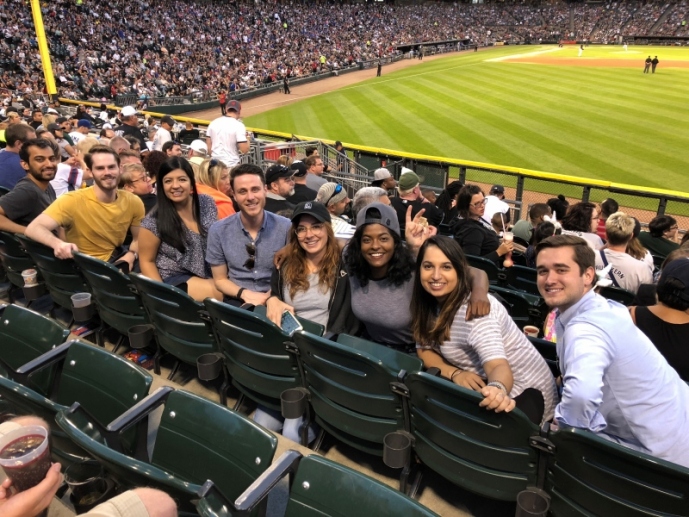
point(82, 306)
point(140, 336)
point(293, 402)
point(209, 366)
point(532, 502)
point(397, 449)
point(33, 292)
point(88, 484)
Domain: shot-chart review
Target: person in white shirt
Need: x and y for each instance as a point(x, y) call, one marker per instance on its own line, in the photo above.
point(163, 134)
point(72, 173)
point(335, 199)
point(82, 131)
point(626, 272)
point(495, 204)
point(226, 136)
point(582, 221)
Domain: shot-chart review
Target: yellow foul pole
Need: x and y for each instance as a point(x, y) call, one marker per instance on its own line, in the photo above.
point(43, 48)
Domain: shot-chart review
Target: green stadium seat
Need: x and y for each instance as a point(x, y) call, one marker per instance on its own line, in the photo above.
point(524, 308)
point(591, 476)
point(496, 275)
point(522, 278)
point(105, 385)
point(618, 295)
point(62, 278)
point(254, 353)
point(179, 328)
point(196, 440)
point(119, 304)
point(349, 386)
point(548, 351)
point(14, 259)
point(24, 336)
point(320, 488)
point(481, 451)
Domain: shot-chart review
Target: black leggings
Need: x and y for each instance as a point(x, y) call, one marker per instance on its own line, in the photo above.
point(531, 402)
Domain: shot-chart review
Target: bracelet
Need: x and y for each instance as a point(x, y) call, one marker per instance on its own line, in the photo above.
point(499, 385)
point(452, 377)
point(239, 293)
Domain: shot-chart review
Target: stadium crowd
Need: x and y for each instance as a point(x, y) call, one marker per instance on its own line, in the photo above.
point(290, 238)
point(101, 50)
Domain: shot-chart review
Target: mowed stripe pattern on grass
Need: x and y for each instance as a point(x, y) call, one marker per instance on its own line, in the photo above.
point(615, 124)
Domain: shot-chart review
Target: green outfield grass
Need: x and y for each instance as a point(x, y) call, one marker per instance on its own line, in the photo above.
point(614, 124)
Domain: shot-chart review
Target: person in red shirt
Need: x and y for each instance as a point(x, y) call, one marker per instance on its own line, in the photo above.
point(607, 208)
point(222, 99)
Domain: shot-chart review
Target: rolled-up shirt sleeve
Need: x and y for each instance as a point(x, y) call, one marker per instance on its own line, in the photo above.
point(586, 358)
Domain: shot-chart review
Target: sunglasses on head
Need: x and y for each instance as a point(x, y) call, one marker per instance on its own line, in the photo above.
point(337, 190)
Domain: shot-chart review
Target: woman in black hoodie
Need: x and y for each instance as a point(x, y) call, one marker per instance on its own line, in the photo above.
point(474, 235)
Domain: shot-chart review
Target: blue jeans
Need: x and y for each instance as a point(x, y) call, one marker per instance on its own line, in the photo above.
point(290, 427)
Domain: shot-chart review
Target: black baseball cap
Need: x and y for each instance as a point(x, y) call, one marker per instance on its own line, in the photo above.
point(298, 169)
point(312, 208)
point(276, 172)
point(54, 127)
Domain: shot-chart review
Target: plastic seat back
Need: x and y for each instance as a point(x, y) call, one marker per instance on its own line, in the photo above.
point(14, 259)
point(618, 295)
point(496, 275)
point(254, 353)
point(524, 308)
point(589, 475)
point(523, 278)
point(62, 278)
point(25, 335)
point(482, 451)
point(199, 440)
point(323, 488)
point(548, 351)
point(118, 305)
point(179, 329)
point(349, 382)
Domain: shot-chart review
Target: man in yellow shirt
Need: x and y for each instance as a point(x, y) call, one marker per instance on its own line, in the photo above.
point(95, 219)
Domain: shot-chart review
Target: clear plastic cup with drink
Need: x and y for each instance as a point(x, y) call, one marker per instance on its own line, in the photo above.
point(25, 456)
point(30, 277)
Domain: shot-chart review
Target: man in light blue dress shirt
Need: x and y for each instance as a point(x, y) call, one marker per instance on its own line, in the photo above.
point(615, 382)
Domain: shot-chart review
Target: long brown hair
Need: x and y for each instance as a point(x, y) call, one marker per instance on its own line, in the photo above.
point(431, 322)
point(295, 269)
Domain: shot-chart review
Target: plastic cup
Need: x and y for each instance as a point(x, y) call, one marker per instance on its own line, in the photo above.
point(81, 300)
point(30, 277)
point(531, 331)
point(508, 236)
point(25, 456)
point(87, 481)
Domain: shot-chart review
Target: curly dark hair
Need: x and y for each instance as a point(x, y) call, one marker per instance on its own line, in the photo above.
point(400, 267)
point(578, 218)
point(153, 161)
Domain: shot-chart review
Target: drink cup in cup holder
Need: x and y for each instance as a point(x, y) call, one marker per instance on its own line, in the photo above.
point(88, 484)
point(82, 309)
point(532, 502)
point(30, 277)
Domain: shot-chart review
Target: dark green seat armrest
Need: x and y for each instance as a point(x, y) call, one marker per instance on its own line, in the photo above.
point(393, 360)
point(140, 411)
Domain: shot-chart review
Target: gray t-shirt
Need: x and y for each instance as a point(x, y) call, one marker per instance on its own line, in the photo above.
point(172, 262)
point(26, 201)
point(496, 336)
point(313, 181)
point(311, 304)
point(384, 309)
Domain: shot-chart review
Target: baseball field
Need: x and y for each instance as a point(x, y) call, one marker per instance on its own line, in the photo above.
point(539, 107)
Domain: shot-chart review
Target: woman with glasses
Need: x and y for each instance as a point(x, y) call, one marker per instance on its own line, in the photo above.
point(172, 239)
point(381, 274)
point(489, 355)
point(471, 232)
point(213, 179)
point(661, 237)
point(312, 282)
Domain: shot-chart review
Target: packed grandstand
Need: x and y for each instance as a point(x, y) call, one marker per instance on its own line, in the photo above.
point(160, 48)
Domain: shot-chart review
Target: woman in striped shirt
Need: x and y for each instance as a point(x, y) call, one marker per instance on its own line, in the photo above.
point(489, 354)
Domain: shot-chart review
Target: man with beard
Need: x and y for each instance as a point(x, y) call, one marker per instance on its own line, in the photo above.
point(280, 186)
point(33, 193)
point(95, 219)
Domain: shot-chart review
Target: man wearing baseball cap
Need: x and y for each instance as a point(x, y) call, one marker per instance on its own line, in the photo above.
point(301, 191)
point(81, 132)
point(226, 136)
point(197, 152)
point(409, 193)
point(163, 134)
point(334, 197)
point(383, 178)
point(130, 126)
point(280, 186)
point(495, 204)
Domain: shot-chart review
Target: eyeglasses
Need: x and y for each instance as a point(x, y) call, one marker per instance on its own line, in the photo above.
point(479, 204)
point(338, 189)
point(675, 227)
point(316, 229)
point(251, 261)
point(145, 177)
